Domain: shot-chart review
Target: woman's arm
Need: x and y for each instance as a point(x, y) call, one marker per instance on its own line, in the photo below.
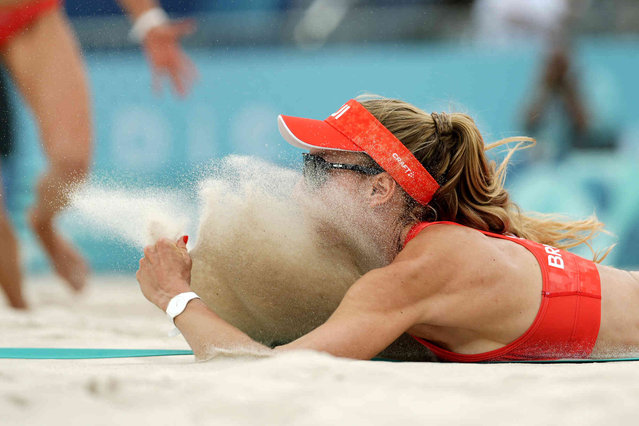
point(205, 332)
point(375, 311)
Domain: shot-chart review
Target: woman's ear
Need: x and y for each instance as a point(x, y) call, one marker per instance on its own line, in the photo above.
point(383, 189)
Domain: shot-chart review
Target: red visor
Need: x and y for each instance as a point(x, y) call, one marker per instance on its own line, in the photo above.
point(353, 128)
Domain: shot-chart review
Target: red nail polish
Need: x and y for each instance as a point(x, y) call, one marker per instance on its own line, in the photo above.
point(185, 239)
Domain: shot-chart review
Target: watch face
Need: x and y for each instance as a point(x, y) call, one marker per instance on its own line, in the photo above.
point(174, 306)
point(178, 303)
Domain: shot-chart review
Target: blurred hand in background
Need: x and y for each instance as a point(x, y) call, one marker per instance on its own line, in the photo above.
point(160, 38)
point(166, 57)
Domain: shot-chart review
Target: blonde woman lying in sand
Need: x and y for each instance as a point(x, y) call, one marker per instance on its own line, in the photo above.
point(467, 274)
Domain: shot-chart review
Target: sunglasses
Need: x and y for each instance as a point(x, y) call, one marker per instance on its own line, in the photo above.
point(316, 169)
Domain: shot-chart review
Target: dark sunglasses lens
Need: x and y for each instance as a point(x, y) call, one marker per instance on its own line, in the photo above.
point(314, 171)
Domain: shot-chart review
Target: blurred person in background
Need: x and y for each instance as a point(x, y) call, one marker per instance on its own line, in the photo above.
point(550, 23)
point(41, 54)
point(507, 21)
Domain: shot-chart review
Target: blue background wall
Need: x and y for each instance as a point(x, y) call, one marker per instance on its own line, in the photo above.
point(144, 139)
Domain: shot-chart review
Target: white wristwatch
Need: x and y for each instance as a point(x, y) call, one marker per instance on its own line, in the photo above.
point(178, 303)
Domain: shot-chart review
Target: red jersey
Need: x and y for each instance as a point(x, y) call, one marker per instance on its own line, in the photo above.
point(567, 323)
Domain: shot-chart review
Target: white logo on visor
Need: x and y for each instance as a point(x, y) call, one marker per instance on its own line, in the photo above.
point(401, 162)
point(337, 114)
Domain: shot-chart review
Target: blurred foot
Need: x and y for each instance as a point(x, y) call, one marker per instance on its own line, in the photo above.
point(19, 304)
point(66, 260)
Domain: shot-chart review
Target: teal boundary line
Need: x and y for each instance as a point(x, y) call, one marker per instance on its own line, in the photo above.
point(95, 353)
point(85, 353)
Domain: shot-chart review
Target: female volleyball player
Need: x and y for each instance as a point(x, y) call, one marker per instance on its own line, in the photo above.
point(469, 276)
point(40, 52)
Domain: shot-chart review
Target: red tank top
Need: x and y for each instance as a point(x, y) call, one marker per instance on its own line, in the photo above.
point(567, 323)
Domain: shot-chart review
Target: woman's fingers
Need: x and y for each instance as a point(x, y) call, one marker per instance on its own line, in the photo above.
point(149, 252)
point(167, 58)
point(164, 243)
point(165, 270)
point(181, 242)
point(182, 28)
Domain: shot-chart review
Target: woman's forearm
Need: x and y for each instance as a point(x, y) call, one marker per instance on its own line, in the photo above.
point(205, 332)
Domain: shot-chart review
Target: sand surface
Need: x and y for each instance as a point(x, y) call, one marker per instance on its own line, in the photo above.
point(302, 388)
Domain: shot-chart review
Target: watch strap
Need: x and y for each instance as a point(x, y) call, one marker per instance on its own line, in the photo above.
point(178, 303)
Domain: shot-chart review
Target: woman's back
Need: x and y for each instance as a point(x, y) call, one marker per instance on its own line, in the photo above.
point(619, 333)
point(498, 284)
point(493, 297)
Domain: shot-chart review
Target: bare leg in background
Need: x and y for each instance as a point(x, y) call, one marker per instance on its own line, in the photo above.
point(10, 274)
point(46, 65)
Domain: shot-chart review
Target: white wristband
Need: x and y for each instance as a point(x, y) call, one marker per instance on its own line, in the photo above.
point(150, 19)
point(178, 303)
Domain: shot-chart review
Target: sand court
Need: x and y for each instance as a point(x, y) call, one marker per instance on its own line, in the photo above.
point(300, 388)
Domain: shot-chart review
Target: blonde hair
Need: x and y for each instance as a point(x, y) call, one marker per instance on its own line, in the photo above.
point(472, 189)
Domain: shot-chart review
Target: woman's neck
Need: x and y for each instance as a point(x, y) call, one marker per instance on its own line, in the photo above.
point(404, 233)
point(390, 239)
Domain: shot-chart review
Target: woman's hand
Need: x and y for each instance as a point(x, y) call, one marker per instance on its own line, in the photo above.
point(167, 59)
point(165, 271)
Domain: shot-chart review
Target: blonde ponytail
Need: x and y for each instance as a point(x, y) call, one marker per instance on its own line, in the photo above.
point(472, 189)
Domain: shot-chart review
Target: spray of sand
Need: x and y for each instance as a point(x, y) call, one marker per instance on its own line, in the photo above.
point(138, 217)
point(260, 261)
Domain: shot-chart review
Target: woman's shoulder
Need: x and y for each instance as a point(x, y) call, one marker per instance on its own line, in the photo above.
point(449, 251)
point(442, 262)
point(437, 262)
point(438, 239)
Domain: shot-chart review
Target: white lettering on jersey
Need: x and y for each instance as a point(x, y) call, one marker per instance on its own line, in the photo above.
point(554, 257)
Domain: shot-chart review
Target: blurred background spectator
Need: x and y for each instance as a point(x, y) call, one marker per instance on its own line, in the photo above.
point(556, 98)
point(508, 21)
point(561, 69)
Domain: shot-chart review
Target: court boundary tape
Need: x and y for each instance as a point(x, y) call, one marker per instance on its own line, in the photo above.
point(101, 353)
point(86, 353)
